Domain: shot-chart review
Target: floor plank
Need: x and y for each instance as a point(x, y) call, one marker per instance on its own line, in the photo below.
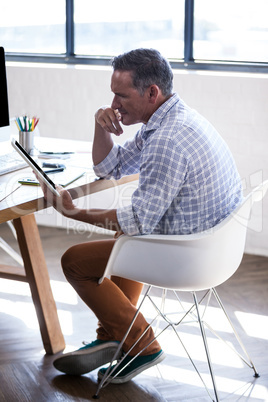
point(27, 374)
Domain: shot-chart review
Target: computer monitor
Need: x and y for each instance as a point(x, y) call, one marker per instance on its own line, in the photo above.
point(4, 112)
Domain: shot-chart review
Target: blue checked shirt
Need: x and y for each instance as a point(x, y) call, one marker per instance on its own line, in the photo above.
point(188, 181)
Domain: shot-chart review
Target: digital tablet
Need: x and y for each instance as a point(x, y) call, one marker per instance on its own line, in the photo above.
point(36, 168)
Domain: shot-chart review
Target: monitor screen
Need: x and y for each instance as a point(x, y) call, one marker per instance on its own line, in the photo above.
point(4, 114)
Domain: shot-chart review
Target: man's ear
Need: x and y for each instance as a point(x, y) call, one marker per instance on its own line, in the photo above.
point(153, 93)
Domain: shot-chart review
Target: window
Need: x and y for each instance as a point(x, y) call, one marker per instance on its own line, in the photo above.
point(107, 28)
point(206, 34)
point(28, 26)
point(235, 30)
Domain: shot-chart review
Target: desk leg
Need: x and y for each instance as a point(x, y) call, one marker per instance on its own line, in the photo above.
point(37, 276)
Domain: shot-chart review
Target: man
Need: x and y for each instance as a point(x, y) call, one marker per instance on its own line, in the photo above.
point(188, 182)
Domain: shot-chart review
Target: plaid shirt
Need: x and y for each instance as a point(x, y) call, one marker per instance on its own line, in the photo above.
point(188, 181)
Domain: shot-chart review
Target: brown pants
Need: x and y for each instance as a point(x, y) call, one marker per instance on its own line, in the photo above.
point(114, 301)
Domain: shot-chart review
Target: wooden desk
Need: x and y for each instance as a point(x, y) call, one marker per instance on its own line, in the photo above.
point(20, 207)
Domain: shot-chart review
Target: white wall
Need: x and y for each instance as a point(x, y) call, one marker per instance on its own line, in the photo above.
point(66, 98)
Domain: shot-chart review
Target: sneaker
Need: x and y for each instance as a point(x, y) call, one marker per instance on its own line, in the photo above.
point(87, 358)
point(138, 365)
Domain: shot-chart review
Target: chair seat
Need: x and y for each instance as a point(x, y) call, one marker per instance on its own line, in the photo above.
point(186, 262)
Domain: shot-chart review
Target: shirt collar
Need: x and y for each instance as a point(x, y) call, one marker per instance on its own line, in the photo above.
point(155, 120)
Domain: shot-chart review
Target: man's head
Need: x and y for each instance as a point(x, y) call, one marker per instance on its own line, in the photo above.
point(147, 67)
point(141, 82)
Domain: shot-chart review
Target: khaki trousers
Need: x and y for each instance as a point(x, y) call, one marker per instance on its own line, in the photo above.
point(114, 301)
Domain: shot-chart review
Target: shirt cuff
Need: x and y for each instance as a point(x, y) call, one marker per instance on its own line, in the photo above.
point(108, 164)
point(127, 221)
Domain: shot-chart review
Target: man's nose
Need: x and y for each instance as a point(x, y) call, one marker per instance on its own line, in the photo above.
point(115, 103)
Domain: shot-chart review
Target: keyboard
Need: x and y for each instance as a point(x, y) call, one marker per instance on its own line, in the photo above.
point(11, 162)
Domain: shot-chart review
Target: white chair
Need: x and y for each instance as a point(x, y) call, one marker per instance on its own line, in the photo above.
point(190, 263)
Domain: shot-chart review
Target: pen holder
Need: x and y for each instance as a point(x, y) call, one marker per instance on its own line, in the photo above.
point(26, 140)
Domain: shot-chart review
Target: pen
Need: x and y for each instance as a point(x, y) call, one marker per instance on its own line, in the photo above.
point(25, 123)
point(53, 165)
point(36, 122)
point(56, 153)
point(54, 170)
point(17, 124)
point(20, 123)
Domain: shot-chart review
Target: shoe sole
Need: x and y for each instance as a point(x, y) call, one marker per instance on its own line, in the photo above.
point(138, 370)
point(85, 360)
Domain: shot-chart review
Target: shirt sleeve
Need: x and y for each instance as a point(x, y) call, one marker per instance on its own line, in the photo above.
point(162, 174)
point(105, 167)
point(121, 160)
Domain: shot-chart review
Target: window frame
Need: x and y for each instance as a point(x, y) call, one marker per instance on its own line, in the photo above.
point(188, 63)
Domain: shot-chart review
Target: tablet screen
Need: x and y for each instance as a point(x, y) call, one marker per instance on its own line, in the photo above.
point(39, 172)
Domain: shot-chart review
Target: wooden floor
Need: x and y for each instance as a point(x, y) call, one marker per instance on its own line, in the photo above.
point(27, 374)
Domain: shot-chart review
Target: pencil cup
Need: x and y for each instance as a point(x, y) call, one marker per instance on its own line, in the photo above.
point(26, 140)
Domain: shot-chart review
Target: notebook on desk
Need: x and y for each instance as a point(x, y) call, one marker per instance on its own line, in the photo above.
point(63, 179)
point(9, 159)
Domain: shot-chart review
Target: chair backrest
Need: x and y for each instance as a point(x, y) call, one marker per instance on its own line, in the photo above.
point(190, 262)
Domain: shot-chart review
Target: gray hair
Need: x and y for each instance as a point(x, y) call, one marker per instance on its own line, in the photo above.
point(148, 67)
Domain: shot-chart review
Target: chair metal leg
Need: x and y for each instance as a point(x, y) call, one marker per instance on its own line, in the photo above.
point(196, 318)
point(162, 308)
point(160, 313)
point(203, 333)
point(171, 324)
point(191, 360)
point(249, 362)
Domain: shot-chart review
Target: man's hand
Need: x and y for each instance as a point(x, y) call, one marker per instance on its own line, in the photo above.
point(63, 203)
point(104, 218)
point(109, 119)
